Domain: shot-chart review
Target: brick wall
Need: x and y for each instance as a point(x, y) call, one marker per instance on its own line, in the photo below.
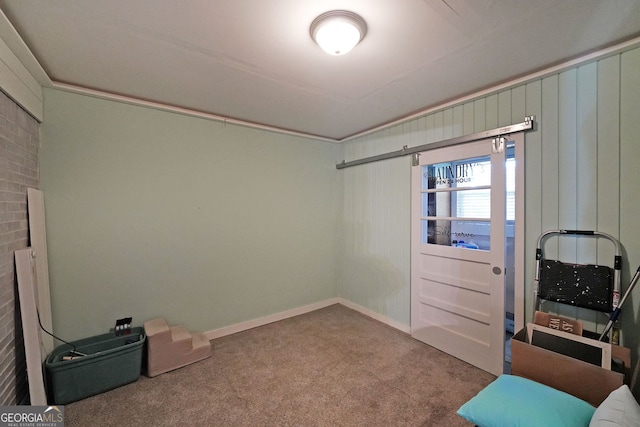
point(19, 144)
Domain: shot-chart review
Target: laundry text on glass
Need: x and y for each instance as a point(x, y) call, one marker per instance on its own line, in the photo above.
point(453, 174)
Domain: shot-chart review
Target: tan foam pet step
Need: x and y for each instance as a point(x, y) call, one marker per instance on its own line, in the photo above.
point(172, 347)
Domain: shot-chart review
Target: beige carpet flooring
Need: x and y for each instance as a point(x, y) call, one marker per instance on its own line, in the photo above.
point(330, 367)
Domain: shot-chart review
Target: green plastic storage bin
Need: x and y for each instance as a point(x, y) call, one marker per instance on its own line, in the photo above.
point(111, 361)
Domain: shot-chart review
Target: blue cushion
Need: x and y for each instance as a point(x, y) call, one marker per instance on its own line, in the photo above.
point(515, 401)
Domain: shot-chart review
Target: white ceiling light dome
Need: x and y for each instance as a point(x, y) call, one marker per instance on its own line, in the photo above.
point(338, 31)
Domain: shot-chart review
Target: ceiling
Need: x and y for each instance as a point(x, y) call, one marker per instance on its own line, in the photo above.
point(253, 61)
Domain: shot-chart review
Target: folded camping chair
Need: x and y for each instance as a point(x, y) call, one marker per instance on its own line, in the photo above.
point(589, 286)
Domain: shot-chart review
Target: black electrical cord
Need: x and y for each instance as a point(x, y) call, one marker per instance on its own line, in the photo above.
point(73, 351)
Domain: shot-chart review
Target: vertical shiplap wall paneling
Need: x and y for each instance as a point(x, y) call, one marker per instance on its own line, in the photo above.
point(568, 155)
point(447, 123)
point(586, 173)
point(522, 98)
point(375, 262)
point(629, 194)
point(491, 112)
point(467, 118)
point(518, 104)
point(586, 158)
point(397, 201)
point(421, 125)
point(550, 162)
point(479, 115)
point(607, 164)
point(430, 126)
point(458, 121)
point(608, 154)
point(582, 171)
point(438, 123)
point(417, 133)
point(504, 108)
point(568, 160)
point(354, 213)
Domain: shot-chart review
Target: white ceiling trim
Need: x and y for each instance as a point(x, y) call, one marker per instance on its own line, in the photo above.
point(180, 110)
point(594, 56)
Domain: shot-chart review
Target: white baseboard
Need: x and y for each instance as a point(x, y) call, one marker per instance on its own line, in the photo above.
point(250, 324)
point(377, 316)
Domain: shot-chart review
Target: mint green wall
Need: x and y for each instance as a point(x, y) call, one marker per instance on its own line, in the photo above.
point(582, 172)
point(151, 213)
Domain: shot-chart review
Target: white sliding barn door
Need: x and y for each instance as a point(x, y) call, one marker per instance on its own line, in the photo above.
point(458, 251)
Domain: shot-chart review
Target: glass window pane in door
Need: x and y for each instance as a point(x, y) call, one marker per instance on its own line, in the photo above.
point(461, 234)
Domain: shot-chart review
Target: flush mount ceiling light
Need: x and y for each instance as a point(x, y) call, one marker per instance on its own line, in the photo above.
point(338, 31)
